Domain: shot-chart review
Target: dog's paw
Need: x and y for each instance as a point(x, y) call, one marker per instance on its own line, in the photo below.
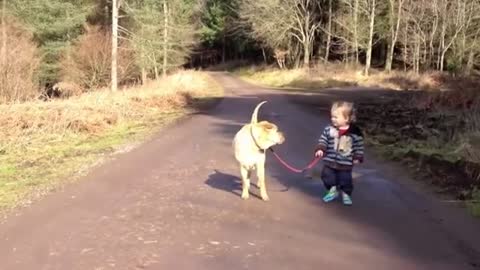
point(245, 196)
point(265, 197)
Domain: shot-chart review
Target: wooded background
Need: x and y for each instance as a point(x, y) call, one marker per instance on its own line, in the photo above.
point(82, 45)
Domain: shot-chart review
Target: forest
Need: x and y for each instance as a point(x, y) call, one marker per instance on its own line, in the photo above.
point(66, 47)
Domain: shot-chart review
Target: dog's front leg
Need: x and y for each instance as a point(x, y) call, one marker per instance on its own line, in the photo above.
point(245, 182)
point(261, 180)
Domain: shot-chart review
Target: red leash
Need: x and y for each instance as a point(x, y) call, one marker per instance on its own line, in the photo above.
point(293, 169)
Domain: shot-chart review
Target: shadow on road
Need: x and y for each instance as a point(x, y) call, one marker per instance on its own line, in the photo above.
point(386, 209)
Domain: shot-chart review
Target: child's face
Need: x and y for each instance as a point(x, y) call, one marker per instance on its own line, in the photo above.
point(338, 118)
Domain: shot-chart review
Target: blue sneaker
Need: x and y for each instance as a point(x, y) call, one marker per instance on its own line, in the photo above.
point(331, 195)
point(346, 199)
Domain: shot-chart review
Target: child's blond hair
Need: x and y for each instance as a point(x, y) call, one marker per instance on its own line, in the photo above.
point(347, 109)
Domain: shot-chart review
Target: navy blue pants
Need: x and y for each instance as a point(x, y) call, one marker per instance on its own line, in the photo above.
point(342, 179)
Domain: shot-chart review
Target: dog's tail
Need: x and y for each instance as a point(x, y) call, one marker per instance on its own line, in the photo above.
point(255, 112)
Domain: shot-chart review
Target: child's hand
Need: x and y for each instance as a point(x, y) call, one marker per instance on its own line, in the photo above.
point(356, 161)
point(319, 153)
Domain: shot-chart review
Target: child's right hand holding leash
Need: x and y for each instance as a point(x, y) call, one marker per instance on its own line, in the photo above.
point(319, 153)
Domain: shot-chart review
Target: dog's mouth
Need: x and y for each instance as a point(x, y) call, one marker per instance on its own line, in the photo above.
point(280, 138)
point(275, 139)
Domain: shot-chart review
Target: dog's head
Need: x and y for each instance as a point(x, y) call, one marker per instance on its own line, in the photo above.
point(267, 134)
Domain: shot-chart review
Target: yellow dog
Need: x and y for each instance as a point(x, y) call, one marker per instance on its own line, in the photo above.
point(249, 144)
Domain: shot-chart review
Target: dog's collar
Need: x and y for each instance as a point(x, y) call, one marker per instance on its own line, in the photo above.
point(260, 149)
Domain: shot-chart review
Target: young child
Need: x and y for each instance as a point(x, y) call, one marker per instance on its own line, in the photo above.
point(340, 146)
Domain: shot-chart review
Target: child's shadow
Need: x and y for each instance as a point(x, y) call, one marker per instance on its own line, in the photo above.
point(227, 182)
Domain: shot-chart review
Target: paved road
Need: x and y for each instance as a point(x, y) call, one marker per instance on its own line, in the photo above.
point(174, 203)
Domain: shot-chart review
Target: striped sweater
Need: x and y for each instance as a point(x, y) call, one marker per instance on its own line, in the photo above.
point(339, 152)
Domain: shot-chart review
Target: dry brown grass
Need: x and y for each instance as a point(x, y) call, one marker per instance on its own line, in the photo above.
point(43, 143)
point(93, 112)
point(341, 75)
point(396, 80)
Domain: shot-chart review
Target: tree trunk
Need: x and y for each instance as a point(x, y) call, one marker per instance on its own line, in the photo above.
point(144, 76)
point(306, 42)
point(355, 30)
point(394, 32)
point(264, 55)
point(106, 19)
point(442, 60)
point(405, 48)
point(347, 54)
point(441, 48)
point(417, 54)
point(296, 57)
point(306, 56)
point(114, 44)
point(470, 59)
point(165, 39)
point(462, 48)
point(223, 49)
point(329, 34)
point(431, 53)
point(389, 60)
point(3, 50)
point(370, 38)
point(425, 51)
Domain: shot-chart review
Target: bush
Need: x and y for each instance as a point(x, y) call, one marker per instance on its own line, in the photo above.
point(19, 64)
point(87, 63)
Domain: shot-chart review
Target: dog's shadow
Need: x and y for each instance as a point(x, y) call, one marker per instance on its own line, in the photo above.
point(229, 183)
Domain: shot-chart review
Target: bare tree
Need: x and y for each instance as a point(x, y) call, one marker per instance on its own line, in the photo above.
point(3, 49)
point(115, 6)
point(352, 23)
point(433, 31)
point(162, 33)
point(372, 4)
point(451, 26)
point(473, 50)
point(355, 28)
point(472, 46)
point(419, 33)
point(464, 49)
point(394, 25)
point(329, 31)
point(279, 22)
point(428, 31)
point(19, 70)
point(165, 38)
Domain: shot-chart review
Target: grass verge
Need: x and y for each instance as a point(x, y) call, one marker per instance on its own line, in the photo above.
point(47, 144)
point(341, 75)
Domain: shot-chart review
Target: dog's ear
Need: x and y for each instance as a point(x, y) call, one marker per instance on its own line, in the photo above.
point(267, 134)
point(267, 126)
